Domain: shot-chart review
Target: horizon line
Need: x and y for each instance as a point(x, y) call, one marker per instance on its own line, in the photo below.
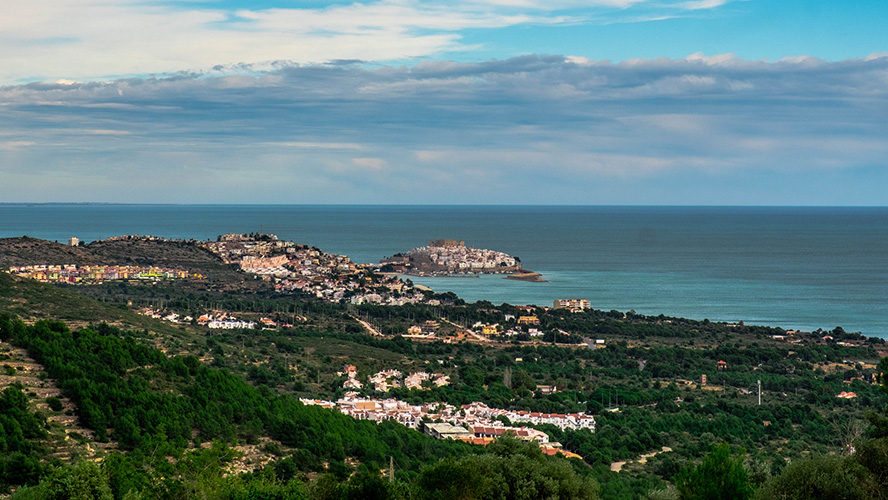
point(159, 204)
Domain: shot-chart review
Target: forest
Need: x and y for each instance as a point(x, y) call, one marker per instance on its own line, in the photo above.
point(162, 410)
point(178, 426)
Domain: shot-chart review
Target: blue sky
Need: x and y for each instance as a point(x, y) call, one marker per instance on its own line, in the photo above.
point(404, 101)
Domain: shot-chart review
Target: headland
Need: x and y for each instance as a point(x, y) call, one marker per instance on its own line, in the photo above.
point(452, 258)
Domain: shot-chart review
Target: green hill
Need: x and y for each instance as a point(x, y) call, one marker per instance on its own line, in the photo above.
point(187, 255)
point(26, 251)
point(161, 409)
point(32, 301)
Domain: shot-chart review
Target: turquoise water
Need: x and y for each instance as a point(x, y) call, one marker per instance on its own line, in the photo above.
point(802, 268)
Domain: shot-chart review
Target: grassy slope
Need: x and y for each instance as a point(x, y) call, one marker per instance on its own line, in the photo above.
point(32, 301)
point(31, 251)
point(172, 254)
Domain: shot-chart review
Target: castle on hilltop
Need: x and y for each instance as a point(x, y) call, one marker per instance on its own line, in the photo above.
point(445, 243)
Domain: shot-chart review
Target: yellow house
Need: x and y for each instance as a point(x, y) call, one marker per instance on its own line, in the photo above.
point(488, 330)
point(528, 320)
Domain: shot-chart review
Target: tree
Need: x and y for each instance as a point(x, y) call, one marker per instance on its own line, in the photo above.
point(721, 476)
point(510, 469)
point(522, 380)
point(819, 478)
point(451, 480)
point(83, 481)
point(368, 484)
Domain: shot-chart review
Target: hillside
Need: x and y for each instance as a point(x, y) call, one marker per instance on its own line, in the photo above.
point(26, 251)
point(653, 383)
point(186, 255)
point(33, 301)
point(163, 253)
point(161, 410)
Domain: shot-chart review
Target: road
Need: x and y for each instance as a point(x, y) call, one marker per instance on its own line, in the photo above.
point(367, 326)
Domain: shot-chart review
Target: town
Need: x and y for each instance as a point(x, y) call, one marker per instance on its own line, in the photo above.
point(299, 268)
point(443, 257)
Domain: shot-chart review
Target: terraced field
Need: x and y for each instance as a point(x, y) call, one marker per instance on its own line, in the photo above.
point(66, 438)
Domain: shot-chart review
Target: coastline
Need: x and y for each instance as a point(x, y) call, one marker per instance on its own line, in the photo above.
point(439, 275)
point(528, 276)
point(748, 273)
point(432, 275)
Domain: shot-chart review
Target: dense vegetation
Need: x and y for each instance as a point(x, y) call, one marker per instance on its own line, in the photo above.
point(157, 408)
point(20, 432)
point(858, 475)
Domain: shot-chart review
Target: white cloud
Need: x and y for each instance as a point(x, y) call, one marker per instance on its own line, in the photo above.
point(559, 126)
point(558, 162)
point(15, 145)
point(370, 163)
point(315, 145)
point(687, 124)
point(66, 41)
point(718, 59)
point(703, 4)
point(89, 39)
point(106, 132)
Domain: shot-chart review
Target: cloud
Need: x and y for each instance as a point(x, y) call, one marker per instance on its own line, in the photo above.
point(580, 166)
point(89, 39)
point(315, 145)
point(370, 163)
point(106, 132)
point(15, 145)
point(527, 129)
point(703, 4)
point(46, 40)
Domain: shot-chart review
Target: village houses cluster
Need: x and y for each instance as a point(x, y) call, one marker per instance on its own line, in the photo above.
point(464, 258)
point(68, 273)
point(451, 256)
point(295, 267)
point(471, 422)
point(222, 321)
point(392, 379)
point(527, 323)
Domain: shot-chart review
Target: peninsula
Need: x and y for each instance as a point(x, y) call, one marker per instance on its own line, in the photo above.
point(445, 257)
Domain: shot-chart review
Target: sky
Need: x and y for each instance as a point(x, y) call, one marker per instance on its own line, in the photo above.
point(597, 102)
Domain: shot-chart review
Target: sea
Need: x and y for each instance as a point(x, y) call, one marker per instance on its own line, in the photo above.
point(796, 268)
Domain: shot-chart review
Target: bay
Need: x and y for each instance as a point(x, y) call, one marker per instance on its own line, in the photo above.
point(805, 268)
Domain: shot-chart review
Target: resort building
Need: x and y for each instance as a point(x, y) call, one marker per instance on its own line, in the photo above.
point(573, 305)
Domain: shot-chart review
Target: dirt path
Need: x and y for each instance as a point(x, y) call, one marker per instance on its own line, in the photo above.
point(618, 466)
point(367, 326)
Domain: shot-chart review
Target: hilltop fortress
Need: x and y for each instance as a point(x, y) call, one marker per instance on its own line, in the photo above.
point(447, 243)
